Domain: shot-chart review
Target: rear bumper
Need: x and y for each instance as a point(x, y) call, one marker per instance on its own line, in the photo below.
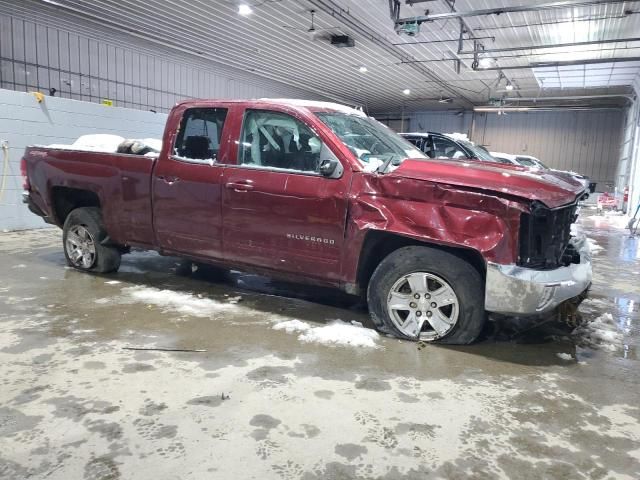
point(513, 290)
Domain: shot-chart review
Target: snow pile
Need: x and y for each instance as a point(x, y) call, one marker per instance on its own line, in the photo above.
point(458, 136)
point(336, 333)
point(564, 356)
point(600, 333)
point(99, 142)
point(153, 143)
point(107, 143)
point(179, 302)
point(610, 219)
point(594, 247)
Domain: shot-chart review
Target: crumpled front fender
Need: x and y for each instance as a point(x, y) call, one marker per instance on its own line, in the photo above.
point(433, 213)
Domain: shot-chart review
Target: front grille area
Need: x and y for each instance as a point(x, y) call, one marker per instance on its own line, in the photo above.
point(545, 235)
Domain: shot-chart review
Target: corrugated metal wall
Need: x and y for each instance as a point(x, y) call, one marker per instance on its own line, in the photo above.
point(587, 142)
point(446, 122)
point(36, 56)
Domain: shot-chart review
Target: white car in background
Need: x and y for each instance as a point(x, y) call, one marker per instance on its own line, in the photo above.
point(536, 164)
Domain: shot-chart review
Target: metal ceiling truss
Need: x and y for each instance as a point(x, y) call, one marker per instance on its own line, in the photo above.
point(334, 9)
point(556, 45)
point(563, 64)
point(500, 10)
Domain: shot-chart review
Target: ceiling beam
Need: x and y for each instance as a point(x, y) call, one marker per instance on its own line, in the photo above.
point(557, 45)
point(509, 9)
point(591, 61)
point(337, 11)
point(452, 40)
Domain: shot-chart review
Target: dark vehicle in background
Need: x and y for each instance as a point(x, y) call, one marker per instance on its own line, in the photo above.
point(442, 145)
point(534, 163)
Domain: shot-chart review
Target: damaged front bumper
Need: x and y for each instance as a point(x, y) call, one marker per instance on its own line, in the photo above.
point(517, 291)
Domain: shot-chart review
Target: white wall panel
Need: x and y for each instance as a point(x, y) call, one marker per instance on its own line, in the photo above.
point(24, 121)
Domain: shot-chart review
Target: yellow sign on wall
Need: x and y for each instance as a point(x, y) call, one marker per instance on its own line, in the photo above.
point(107, 102)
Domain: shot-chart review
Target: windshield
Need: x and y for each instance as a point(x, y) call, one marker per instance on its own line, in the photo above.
point(372, 143)
point(530, 162)
point(478, 151)
point(502, 160)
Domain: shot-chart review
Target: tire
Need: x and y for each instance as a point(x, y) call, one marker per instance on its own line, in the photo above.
point(83, 233)
point(398, 282)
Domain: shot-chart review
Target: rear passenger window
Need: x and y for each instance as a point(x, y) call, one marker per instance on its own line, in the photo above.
point(200, 133)
point(278, 140)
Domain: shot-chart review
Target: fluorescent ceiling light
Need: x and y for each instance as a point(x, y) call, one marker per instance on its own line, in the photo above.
point(406, 91)
point(362, 69)
point(244, 10)
point(509, 86)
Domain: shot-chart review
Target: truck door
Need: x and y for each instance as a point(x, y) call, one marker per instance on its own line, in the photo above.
point(187, 186)
point(278, 211)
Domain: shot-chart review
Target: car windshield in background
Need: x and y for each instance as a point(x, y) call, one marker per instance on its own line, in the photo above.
point(371, 142)
point(530, 162)
point(478, 151)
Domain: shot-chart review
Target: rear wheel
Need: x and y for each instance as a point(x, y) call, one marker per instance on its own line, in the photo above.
point(82, 235)
point(422, 293)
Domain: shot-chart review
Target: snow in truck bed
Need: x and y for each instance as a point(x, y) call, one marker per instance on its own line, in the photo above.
point(105, 143)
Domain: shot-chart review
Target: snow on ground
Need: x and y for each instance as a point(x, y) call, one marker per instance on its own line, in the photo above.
point(594, 246)
point(335, 333)
point(616, 220)
point(601, 333)
point(179, 302)
point(564, 356)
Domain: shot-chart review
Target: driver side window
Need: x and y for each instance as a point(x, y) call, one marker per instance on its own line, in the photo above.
point(445, 148)
point(277, 140)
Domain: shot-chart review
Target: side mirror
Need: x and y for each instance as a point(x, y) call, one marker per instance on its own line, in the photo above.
point(328, 167)
point(430, 153)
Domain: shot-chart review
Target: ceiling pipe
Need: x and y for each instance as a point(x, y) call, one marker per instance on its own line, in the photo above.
point(464, 27)
point(453, 40)
point(334, 9)
point(572, 97)
point(591, 61)
point(558, 45)
point(492, 109)
point(511, 9)
point(626, 14)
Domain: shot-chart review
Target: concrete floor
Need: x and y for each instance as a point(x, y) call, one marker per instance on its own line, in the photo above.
point(76, 403)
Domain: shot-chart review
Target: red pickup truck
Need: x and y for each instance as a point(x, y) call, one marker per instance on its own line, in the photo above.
point(320, 193)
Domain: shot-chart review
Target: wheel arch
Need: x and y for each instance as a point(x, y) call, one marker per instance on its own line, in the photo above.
point(66, 199)
point(378, 245)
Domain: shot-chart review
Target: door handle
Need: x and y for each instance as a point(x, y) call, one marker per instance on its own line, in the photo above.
point(168, 179)
point(239, 186)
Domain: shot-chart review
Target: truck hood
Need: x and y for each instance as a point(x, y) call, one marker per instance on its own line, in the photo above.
point(544, 186)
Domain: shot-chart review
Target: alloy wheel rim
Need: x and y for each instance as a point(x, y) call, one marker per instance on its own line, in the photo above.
point(81, 248)
point(423, 305)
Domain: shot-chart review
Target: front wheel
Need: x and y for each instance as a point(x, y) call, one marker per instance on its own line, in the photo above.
point(423, 293)
point(82, 237)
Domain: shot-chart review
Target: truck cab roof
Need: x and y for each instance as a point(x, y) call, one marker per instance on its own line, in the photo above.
point(311, 105)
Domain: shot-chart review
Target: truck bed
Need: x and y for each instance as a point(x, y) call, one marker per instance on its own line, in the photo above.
point(123, 179)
